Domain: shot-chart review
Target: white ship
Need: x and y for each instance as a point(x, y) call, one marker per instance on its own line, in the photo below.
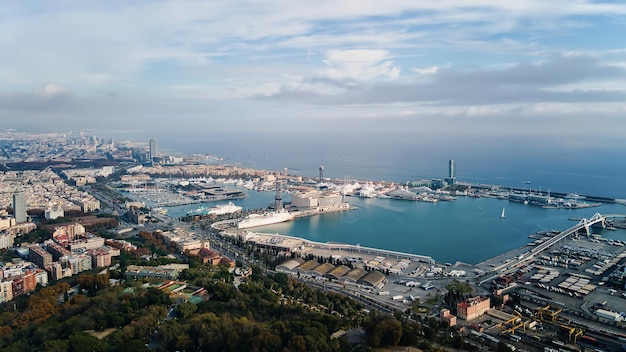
point(268, 218)
point(224, 209)
point(367, 191)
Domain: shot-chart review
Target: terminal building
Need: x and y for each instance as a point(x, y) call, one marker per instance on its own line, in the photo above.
point(314, 198)
point(329, 271)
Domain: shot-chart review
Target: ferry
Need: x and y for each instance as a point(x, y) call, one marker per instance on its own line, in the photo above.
point(267, 218)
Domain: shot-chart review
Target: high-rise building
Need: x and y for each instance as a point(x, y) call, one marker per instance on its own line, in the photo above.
point(19, 206)
point(451, 179)
point(153, 149)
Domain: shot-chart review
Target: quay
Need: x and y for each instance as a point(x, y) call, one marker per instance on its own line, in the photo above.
point(300, 213)
point(295, 244)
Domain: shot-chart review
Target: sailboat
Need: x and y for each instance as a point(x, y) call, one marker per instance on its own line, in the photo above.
point(503, 215)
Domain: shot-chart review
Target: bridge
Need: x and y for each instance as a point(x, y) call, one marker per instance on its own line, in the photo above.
point(583, 224)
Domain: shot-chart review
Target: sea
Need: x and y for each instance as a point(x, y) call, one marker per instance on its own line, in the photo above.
point(468, 230)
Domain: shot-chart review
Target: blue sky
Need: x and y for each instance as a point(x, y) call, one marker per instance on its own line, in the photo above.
point(510, 67)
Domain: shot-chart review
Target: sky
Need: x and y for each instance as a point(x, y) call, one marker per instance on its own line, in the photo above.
point(416, 69)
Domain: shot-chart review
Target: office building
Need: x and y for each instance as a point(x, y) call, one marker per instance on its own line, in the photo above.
point(451, 171)
point(472, 308)
point(153, 149)
point(19, 206)
point(451, 179)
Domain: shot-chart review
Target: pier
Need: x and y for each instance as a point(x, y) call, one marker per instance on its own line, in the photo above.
point(290, 243)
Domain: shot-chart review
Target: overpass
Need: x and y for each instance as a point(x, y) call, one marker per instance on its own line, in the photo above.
point(583, 224)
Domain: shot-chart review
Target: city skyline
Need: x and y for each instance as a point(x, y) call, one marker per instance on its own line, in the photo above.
point(469, 67)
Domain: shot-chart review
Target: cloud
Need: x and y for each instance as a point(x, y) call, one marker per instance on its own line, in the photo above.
point(45, 97)
point(101, 43)
point(360, 64)
point(52, 91)
point(520, 83)
point(263, 60)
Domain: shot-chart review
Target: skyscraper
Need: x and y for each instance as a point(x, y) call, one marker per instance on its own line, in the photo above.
point(153, 149)
point(19, 206)
point(451, 179)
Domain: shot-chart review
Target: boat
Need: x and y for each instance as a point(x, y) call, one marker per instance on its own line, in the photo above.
point(224, 209)
point(573, 196)
point(159, 210)
point(367, 191)
point(203, 210)
point(503, 215)
point(267, 218)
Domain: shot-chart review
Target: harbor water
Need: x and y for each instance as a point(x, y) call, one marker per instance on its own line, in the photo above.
point(467, 229)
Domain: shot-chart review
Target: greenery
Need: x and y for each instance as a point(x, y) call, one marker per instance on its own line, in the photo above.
point(49, 322)
point(265, 312)
point(459, 287)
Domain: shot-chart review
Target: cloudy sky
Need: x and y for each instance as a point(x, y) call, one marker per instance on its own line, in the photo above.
point(507, 67)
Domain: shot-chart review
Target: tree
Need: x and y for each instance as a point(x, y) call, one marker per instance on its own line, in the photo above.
point(186, 310)
point(83, 342)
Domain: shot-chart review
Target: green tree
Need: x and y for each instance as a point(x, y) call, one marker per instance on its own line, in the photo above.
point(80, 342)
point(186, 310)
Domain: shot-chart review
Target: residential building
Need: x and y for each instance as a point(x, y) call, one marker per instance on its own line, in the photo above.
point(57, 251)
point(6, 239)
point(39, 256)
point(6, 291)
point(54, 213)
point(86, 243)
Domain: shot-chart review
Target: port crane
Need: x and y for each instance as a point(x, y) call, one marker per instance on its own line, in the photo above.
point(509, 326)
point(546, 311)
point(574, 333)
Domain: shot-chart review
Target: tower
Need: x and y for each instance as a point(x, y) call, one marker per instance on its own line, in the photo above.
point(451, 179)
point(153, 149)
point(321, 173)
point(19, 206)
point(278, 197)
